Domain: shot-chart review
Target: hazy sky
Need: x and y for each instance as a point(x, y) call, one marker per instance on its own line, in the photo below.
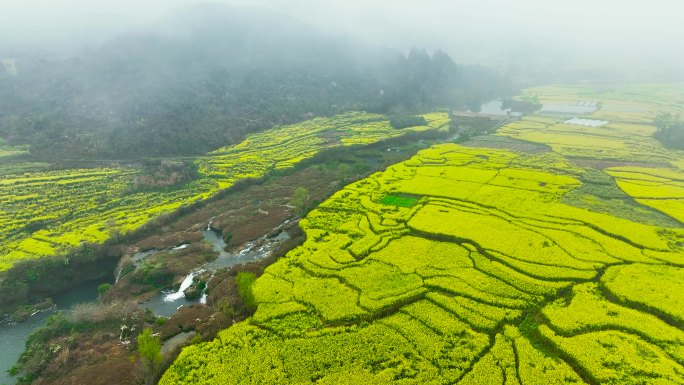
point(470, 30)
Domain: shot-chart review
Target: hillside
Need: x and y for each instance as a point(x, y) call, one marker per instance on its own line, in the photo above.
point(204, 76)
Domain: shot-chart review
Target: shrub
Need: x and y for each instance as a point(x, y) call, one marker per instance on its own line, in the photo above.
point(244, 282)
point(103, 288)
point(400, 122)
point(149, 349)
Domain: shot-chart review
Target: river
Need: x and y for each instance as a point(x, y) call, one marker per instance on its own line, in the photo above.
point(13, 335)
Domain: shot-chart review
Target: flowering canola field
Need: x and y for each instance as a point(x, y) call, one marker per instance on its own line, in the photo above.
point(470, 266)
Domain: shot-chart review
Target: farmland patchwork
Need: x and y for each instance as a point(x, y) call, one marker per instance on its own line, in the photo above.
point(479, 266)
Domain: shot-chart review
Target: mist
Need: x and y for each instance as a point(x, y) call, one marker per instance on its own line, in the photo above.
point(636, 39)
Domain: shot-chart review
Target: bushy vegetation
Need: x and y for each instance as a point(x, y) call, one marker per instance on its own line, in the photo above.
point(670, 130)
point(149, 350)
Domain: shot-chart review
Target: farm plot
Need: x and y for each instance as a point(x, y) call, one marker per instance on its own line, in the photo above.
point(503, 143)
point(46, 213)
point(486, 277)
point(659, 188)
point(613, 141)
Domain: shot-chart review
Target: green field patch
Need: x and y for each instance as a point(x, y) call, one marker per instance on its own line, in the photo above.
point(400, 200)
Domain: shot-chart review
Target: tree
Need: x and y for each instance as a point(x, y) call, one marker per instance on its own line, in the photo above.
point(670, 130)
point(300, 199)
point(113, 230)
point(103, 288)
point(149, 349)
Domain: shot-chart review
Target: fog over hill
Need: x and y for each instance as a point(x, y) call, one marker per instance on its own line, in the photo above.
point(202, 76)
point(181, 77)
point(577, 40)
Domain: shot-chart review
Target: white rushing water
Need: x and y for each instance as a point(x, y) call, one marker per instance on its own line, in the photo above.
point(187, 282)
point(168, 303)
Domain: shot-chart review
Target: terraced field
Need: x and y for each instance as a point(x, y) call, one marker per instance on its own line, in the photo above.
point(45, 213)
point(460, 286)
point(657, 181)
point(473, 266)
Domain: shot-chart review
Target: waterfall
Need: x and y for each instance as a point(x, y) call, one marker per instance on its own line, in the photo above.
point(118, 275)
point(187, 282)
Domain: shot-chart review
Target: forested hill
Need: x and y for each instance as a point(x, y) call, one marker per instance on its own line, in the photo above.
point(204, 76)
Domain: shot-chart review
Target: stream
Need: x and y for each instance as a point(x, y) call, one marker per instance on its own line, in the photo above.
point(13, 335)
point(168, 302)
